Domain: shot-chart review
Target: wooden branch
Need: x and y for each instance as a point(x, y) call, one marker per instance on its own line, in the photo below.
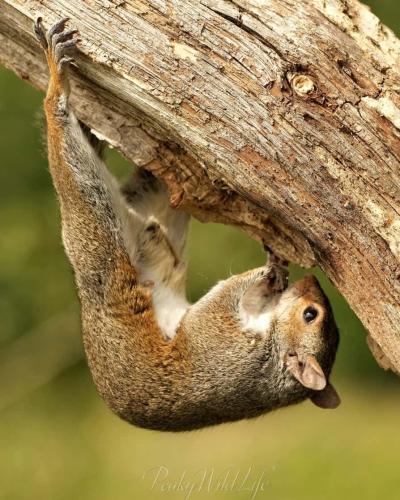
point(278, 116)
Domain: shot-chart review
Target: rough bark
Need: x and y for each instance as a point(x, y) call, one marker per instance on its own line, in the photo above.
point(278, 116)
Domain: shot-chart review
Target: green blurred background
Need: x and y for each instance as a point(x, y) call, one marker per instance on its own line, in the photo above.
point(58, 440)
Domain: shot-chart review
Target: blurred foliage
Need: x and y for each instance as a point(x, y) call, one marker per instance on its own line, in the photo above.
point(58, 437)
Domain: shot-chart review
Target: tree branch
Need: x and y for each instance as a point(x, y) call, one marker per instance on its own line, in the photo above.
point(276, 116)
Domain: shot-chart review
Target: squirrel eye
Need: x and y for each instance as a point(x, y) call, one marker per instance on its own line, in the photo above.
point(309, 314)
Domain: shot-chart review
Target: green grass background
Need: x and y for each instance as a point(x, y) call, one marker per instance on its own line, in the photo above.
point(58, 440)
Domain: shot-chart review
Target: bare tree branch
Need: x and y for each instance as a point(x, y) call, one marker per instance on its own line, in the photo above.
point(278, 116)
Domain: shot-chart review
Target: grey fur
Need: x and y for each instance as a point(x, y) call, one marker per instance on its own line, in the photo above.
point(125, 250)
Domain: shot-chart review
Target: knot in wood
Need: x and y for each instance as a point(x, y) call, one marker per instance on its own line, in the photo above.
point(303, 85)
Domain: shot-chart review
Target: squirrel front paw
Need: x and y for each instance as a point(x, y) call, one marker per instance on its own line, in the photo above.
point(278, 273)
point(278, 277)
point(57, 43)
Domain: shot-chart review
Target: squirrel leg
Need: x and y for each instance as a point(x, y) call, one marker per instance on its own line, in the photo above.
point(158, 248)
point(91, 225)
point(157, 259)
point(155, 246)
point(117, 253)
point(148, 196)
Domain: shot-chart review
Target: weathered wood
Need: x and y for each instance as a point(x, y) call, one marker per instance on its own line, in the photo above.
point(278, 116)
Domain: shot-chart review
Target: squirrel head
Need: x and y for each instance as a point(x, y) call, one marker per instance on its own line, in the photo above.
point(300, 337)
point(307, 338)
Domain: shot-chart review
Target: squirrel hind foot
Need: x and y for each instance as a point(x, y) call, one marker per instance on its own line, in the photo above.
point(57, 42)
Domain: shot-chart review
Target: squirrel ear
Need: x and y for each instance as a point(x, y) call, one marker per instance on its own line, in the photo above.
point(308, 373)
point(327, 398)
point(313, 376)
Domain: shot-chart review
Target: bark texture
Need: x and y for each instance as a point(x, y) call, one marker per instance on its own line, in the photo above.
point(278, 116)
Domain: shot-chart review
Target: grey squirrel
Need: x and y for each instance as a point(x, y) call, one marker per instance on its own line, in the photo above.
point(250, 345)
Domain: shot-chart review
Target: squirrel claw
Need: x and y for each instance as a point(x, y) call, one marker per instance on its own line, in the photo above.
point(40, 33)
point(278, 273)
point(55, 29)
point(278, 277)
point(57, 41)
